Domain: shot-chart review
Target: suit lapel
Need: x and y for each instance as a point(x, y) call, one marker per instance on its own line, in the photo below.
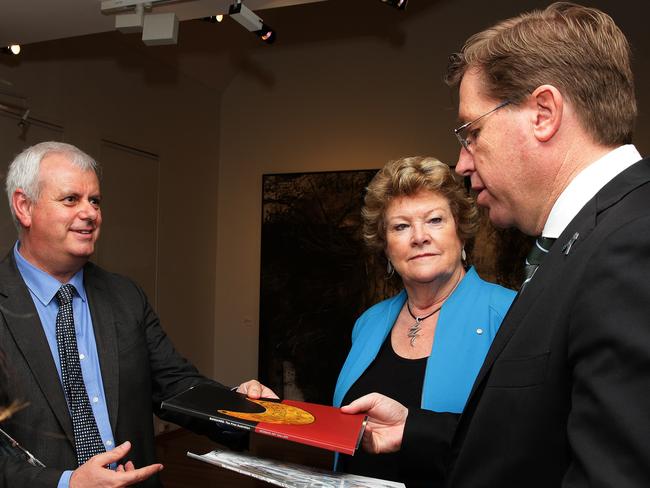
point(106, 339)
point(24, 324)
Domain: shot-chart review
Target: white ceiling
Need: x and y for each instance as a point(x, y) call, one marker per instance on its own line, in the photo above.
point(29, 21)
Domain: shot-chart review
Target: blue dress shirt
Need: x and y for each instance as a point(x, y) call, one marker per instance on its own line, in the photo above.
point(43, 287)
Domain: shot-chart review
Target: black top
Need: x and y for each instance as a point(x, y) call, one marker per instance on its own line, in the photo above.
point(401, 379)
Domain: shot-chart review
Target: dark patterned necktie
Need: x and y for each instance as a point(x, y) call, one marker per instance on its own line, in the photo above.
point(535, 257)
point(86, 434)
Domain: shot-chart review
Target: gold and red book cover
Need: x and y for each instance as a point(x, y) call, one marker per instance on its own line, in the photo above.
point(308, 423)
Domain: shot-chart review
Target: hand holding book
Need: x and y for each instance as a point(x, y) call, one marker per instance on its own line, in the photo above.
point(386, 421)
point(255, 389)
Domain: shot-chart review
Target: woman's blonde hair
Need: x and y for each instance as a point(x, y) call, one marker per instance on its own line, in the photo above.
point(406, 177)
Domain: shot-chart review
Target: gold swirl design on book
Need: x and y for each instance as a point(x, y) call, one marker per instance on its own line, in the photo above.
point(274, 413)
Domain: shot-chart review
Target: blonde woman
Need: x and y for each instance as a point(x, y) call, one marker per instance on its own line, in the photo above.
point(424, 346)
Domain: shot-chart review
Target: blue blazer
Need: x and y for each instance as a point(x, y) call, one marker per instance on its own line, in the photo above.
point(467, 323)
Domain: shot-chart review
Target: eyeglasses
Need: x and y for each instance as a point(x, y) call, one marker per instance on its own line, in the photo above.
point(463, 134)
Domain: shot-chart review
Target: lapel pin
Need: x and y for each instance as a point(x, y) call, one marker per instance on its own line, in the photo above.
point(567, 247)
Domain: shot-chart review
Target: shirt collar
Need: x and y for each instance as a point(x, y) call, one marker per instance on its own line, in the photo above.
point(42, 285)
point(585, 185)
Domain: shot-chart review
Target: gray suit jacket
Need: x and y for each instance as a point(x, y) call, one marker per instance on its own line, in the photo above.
point(563, 397)
point(139, 369)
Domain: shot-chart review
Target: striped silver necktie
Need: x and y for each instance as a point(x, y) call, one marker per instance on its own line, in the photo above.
point(537, 254)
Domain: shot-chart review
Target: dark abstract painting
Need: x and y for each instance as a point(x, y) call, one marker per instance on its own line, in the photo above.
point(316, 279)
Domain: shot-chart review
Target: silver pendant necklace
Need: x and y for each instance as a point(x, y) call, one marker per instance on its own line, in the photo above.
point(414, 330)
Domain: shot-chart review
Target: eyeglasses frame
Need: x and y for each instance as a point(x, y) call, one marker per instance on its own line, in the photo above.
point(463, 140)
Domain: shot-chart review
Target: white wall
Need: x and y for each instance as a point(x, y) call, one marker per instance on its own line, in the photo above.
point(97, 90)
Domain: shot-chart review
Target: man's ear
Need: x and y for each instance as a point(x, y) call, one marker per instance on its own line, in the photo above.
point(549, 106)
point(22, 207)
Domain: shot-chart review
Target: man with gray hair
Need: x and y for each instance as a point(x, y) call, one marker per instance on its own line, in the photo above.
point(87, 353)
point(547, 107)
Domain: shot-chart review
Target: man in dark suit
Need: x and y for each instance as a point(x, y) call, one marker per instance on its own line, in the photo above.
point(126, 363)
point(563, 398)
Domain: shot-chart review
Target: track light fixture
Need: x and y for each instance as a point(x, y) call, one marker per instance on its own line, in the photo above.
point(13, 50)
point(213, 18)
point(251, 22)
point(137, 16)
point(398, 4)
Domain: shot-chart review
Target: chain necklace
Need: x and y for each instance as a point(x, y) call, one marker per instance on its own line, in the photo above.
point(414, 330)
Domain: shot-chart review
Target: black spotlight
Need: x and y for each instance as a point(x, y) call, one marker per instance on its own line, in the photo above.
point(251, 22)
point(13, 50)
point(266, 34)
point(398, 4)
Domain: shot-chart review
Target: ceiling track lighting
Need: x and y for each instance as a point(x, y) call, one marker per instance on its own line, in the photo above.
point(157, 29)
point(13, 50)
point(136, 16)
point(251, 22)
point(398, 4)
point(213, 18)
